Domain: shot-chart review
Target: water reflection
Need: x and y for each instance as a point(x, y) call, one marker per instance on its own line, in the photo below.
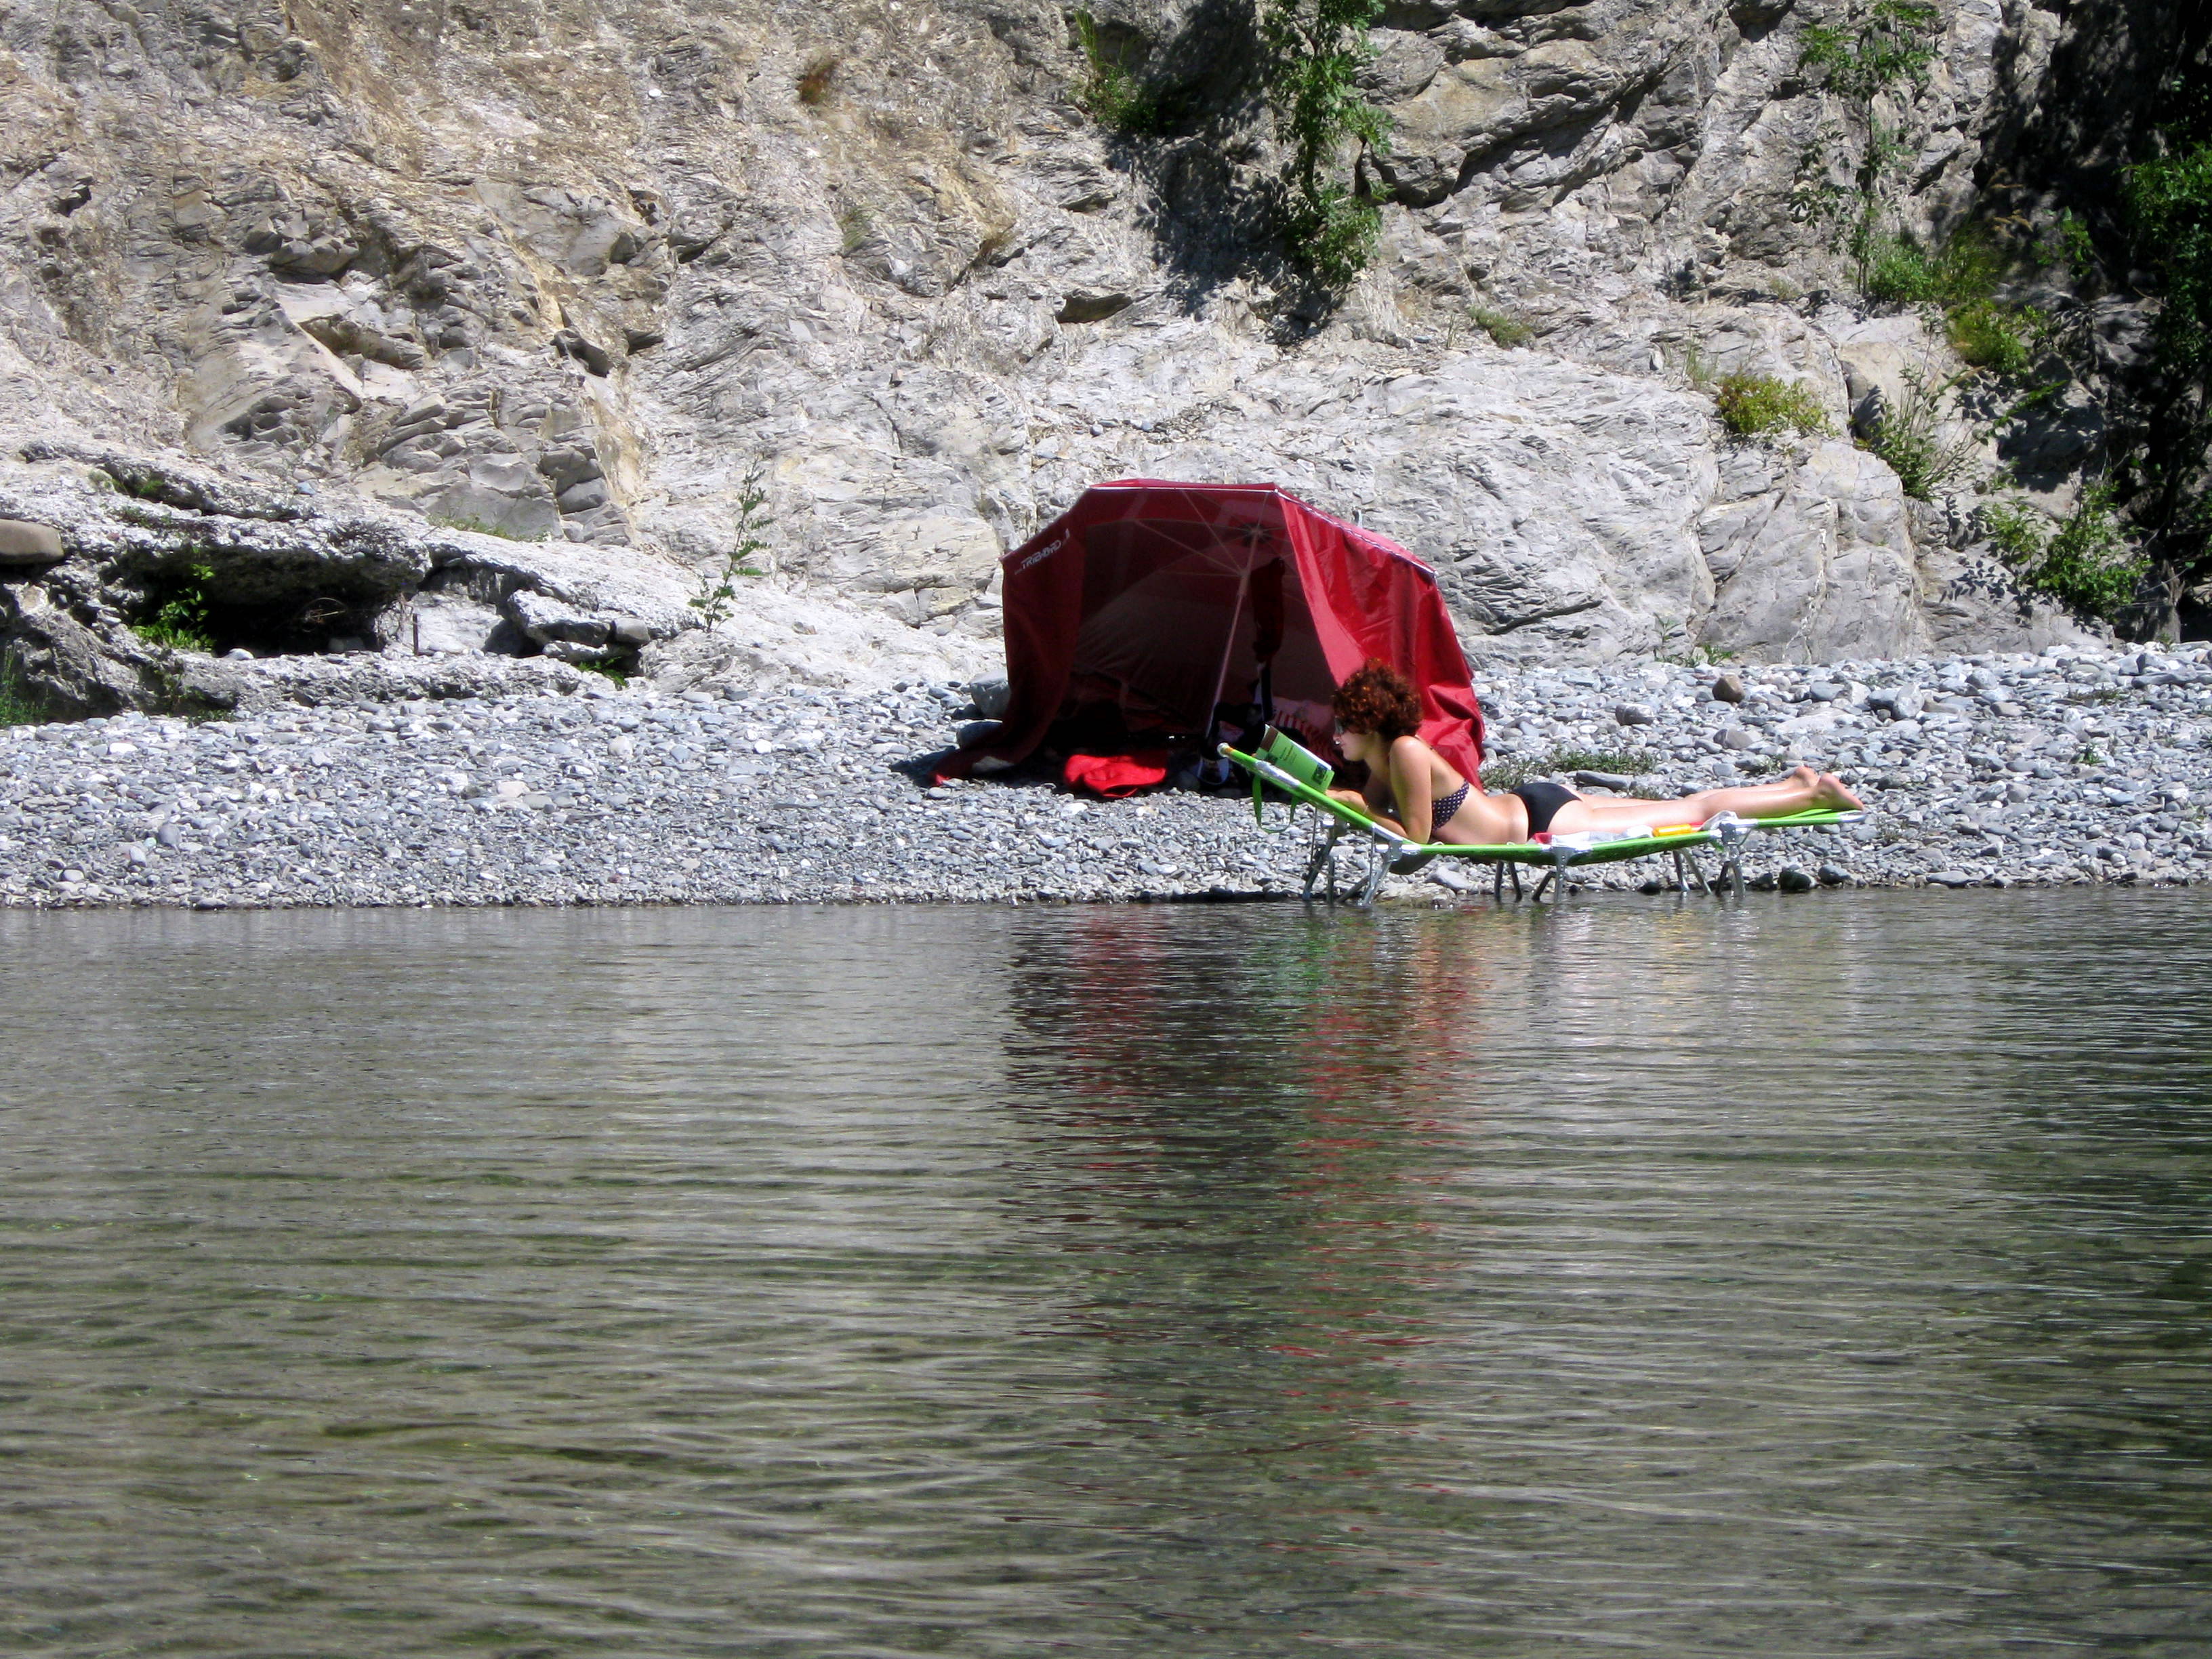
point(1242, 1168)
point(1798, 1277)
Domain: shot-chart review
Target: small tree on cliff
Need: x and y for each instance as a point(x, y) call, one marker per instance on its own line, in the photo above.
point(1874, 52)
point(716, 601)
point(1316, 50)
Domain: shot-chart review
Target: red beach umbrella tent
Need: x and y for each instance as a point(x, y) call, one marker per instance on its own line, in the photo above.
point(1159, 601)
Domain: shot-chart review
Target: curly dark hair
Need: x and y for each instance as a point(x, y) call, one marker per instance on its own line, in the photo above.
point(1378, 699)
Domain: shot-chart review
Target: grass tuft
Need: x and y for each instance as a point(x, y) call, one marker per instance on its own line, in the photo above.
point(855, 224)
point(1502, 327)
point(1565, 763)
point(479, 527)
point(1756, 405)
point(1961, 279)
point(816, 79)
point(20, 704)
point(1997, 338)
point(1108, 91)
point(1965, 271)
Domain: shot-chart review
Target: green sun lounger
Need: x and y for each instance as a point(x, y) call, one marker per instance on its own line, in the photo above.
point(1303, 776)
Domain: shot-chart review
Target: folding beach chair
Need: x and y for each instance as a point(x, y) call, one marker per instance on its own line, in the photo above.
point(1304, 777)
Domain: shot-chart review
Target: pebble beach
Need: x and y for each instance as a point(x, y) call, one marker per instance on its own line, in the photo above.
point(2081, 765)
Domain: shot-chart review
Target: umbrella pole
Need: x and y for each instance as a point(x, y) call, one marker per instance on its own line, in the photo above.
point(1221, 673)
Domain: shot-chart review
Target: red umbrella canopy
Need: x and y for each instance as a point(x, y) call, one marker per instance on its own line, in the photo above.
point(1159, 601)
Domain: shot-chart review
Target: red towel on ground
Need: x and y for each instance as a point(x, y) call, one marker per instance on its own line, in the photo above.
point(1115, 776)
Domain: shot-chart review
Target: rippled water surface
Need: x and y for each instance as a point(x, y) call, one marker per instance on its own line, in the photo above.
point(1823, 1276)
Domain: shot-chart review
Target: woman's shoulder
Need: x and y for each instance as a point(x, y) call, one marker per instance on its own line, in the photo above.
point(1412, 752)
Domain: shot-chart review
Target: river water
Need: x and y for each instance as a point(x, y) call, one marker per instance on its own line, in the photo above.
point(1818, 1275)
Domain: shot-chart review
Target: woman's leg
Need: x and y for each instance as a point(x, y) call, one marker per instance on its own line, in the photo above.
point(1800, 791)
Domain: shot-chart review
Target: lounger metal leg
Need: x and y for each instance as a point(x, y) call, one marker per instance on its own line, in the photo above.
point(1514, 870)
point(1733, 835)
point(1689, 873)
point(1323, 858)
point(1498, 883)
point(1378, 863)
point(1550, 876)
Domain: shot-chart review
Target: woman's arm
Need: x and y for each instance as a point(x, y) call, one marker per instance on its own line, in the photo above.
point(1411, 769)
point(1379, 813)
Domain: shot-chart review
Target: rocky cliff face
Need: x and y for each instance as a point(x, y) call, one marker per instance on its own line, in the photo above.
point(484, 310)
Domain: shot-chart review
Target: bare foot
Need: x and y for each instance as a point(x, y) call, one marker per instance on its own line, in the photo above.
point(1828, 792)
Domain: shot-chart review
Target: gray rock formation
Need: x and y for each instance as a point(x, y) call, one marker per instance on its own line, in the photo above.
point(449, 330)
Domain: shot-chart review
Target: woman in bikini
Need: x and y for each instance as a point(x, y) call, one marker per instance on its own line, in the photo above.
point(1412, 789)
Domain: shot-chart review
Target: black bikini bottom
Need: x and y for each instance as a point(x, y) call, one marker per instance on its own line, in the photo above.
point(1543, 801)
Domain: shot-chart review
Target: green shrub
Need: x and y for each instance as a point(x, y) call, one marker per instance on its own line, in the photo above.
point(1501, 326)
point(2090, 563)
point(1962, 278)
point(1332, 233)
point(18, 704)
point(1879, 45)
point(180, 621)
point(2170, 201)
point(1864, 58)
point(1315, 52)
point(1996, 338)
point(2084, 561)
point(1109, 92)
point(2076, 247)
point(1907, 437)
point(2016, 530)
point(1965, 271)
point(1969, 269)
point(1752, 405)
point(1897, 272)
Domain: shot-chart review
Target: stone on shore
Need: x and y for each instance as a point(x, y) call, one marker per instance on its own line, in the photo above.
point(23, 541)
point(559, 786)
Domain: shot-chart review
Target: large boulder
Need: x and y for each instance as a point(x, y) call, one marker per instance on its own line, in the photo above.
point(1821, 567)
